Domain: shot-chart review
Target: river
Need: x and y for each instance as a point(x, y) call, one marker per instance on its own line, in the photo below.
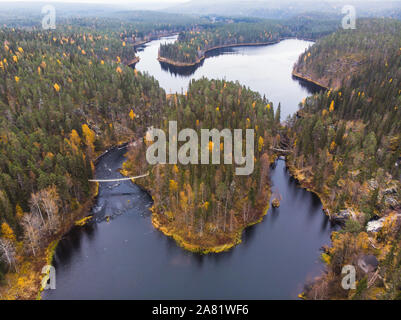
point(124, 257)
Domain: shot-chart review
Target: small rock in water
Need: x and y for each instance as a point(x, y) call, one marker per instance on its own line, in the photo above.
point(276, 203)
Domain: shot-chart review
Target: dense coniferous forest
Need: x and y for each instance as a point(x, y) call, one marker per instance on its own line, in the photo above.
point(65, 97)
point(347, 147)
point(206, 207)
point(191, 45)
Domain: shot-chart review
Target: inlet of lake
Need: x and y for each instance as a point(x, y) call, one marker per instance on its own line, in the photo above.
point(119, 255)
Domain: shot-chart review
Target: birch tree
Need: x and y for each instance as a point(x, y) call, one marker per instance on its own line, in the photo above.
point(7, 252)
point(32, 231)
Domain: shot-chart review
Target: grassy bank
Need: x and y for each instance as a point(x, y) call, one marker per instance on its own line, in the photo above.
point(192, 246)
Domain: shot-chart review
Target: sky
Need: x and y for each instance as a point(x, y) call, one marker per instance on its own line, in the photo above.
point(149, 1)
point(163, 1)
point(100, 1)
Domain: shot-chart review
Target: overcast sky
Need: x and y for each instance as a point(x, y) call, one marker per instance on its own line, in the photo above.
point(160, 1)
point(171, 1)
point(100, 1)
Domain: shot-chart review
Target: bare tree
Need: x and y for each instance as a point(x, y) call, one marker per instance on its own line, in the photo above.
point(7, 253)
point(35, 205)
point(45, 205)
point(50, 201)
point(33, 231)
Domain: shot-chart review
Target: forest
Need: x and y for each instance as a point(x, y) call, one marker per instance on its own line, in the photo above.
point(347, 148)
point(65, 97)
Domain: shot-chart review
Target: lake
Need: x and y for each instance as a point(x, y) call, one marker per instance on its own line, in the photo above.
point(266, 69)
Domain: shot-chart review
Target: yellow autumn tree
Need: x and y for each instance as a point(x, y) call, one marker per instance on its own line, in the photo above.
point(74, 138)
point(331, 109)
point(132, 114)
point(362, 241)
point(261, 143)
point(205, 205)
point(7, 232)
point(89, 137)
point(173, 186)
point(333, 146)
point(183, 201)
point(56, 87)
point(19, 212)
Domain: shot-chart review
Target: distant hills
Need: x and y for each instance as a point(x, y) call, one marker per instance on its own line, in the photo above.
point(285, 8)
point(267, 9)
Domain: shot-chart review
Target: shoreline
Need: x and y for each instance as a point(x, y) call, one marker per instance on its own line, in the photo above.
point(196, 248)
point(292, 170)
point(133, 62)
point(30, 267)
point(136, 59)
point(310, 80)
point(143, 42)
